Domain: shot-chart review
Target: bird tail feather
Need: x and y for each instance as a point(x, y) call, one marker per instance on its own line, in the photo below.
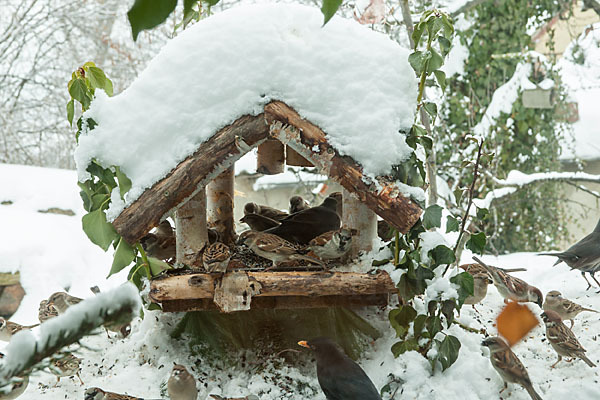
point(589, 309)
point(309, 259)
point(559, 255)
point(533, 394)
point(588, 361)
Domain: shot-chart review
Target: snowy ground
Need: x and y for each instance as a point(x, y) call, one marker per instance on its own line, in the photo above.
point(52, 252)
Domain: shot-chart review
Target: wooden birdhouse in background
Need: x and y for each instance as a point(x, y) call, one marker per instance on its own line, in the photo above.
point(539, 95)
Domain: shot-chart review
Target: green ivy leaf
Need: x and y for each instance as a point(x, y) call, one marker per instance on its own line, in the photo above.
point(433, 325)
point(445, 45)
point(417, 60)
point(432, 218)
point(79, 91)
point(476, 243)
point(442, 255)
point(157, 266)
point(418, 325)
point(146, 14)
point(431, 109)
point(440, 77)
point(98, 230)
point(464, 280)
point(400, 319)
point(187, 7)
point(427, 142)
point(417, 33)
point(96, 77)
point(404, 346)
point(124, 182)
point(435, 61)
point(108, 87)
point(211, 2)
point(482, 213)
point(329, 8)
point(124, 255)
point(70, 111)
point(452, 224)
point(448, 351)
point(448, 307)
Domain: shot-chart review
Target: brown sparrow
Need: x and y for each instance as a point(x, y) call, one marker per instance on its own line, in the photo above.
point(9, 328)
point(46, 311)
point(562, 339)
point(95, 393)
point(273, 248)
point(297, 203)
point(181, 384)
point(333, 244)
point(63, 300)
point(67, 365)
point(258, 222)
point(476, 268)
point(481, 280)
point(216, 257)
point(265, 211)
point(512, 288)
point(565, 308)
point(508, 365)
point(161, 247)
point(164, 229)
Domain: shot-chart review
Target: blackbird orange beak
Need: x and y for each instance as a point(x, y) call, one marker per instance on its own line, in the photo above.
point(304, 344)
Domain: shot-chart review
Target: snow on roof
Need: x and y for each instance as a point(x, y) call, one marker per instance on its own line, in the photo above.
point(354, 83)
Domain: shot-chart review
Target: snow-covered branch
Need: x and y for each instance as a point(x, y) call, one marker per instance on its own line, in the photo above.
point(518, 178)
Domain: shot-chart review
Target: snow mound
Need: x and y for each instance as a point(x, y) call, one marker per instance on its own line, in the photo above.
point(356, 84)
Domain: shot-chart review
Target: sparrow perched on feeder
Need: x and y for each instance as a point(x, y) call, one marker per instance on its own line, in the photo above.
point(67, 365)
point(306, 225)
point(258, 222)
point(95, 393)
point(9, 328)
point(562, 339)
point(161, 247)
point(46, 311)
point(265, 211)
point(297, 203)
point(512, 288)
point(273, 247)
point(339, 376)
point(181, 384)
point(63, 300)
point(565, 308)
point(216, 257)
point(333, 244)
point(583, 255)
point(508, 365)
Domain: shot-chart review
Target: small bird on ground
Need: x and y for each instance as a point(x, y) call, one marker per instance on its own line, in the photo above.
point(508, 365)
point(63, 300)
point(562, 339)
point(258, 222)
point(95, 393)
point(9, 328)
point(216, 257)
point(306, 225)
point(67, 365)
point(583, 256)
point(265, 211)
point(512, 288)
point(181, 384)
point(47, 310)
point(273, 248)
point(333, 244)
point(339, 376)
point(297, 203)
point(565, 308)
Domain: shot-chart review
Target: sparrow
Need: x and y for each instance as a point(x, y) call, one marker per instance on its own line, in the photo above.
point(164, 229)
point(583, 255)
point(181, 384)
point(95, 393)
point(562, 339)
point(481, 280)
point(46, 311)
point(332, 244)
point(565, 308)
point(258, 222)
point(67, 365)
point(306, 225)
point(476, 268)
point(512, 288)
point(161, 247)
point(9, 328)
point(297, 203)
point(339, 376)
point(265, 211)
point(63, 300)
point(508, 365)
point(123, 329)
point(273, 247)
point(216, 257)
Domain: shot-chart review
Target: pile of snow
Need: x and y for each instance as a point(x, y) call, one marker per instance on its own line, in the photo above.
point(356, 84)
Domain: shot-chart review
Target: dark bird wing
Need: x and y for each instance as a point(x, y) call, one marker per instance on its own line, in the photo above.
point(346, 381)
point(305, 225)
point(583, 255)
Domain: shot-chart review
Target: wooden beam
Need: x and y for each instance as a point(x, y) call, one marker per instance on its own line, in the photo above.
point(294, 159)
point(191, 230)
point(219, 197)
point(211, 159)
point(270, 158)
point(387, 201)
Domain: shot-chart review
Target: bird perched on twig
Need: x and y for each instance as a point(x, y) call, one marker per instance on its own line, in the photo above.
point(274, 248)
point(95, 393)
point(258, 222)
point(181, 384)
point(565, 308)
point(297, 203)
point(339, 376)
point(583, 256)
point(9, 328)
point(333, 244)
point(512, 288)
point(216, 257)
point(508, 365)
point(47, 310)
point(265, 211)
point(63, 300)
point(306, 225)
point(562, 339)
point(67, 365)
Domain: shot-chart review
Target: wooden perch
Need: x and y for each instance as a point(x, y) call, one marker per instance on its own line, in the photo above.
point(219, 196)
point(270, 158)
point(388, 203)
point(195, 172)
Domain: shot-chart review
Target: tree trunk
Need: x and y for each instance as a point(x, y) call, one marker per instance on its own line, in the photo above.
point(219, 196)
point(192, 235)
point(271, 157)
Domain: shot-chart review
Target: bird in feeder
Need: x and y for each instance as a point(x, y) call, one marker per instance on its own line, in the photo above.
point(297, 203)
point(333, 244)
point(274, 248)
point(216, 257)
point(258, 222)
point(162, 243)
point(265, 211)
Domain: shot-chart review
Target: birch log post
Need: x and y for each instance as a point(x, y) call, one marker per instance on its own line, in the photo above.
point(270, 157)
point(192, 235)
point(358, 216)
point(219, 196)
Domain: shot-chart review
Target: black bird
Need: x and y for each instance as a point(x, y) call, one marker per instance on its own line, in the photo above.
point(258, 222)
point(305, 225)
point(583, 256)
point(339, 376)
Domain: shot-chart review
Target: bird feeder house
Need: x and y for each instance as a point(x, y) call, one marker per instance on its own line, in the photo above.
point(539, 95)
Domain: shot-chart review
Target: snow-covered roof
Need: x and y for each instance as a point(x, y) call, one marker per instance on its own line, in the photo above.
point(354, 83)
